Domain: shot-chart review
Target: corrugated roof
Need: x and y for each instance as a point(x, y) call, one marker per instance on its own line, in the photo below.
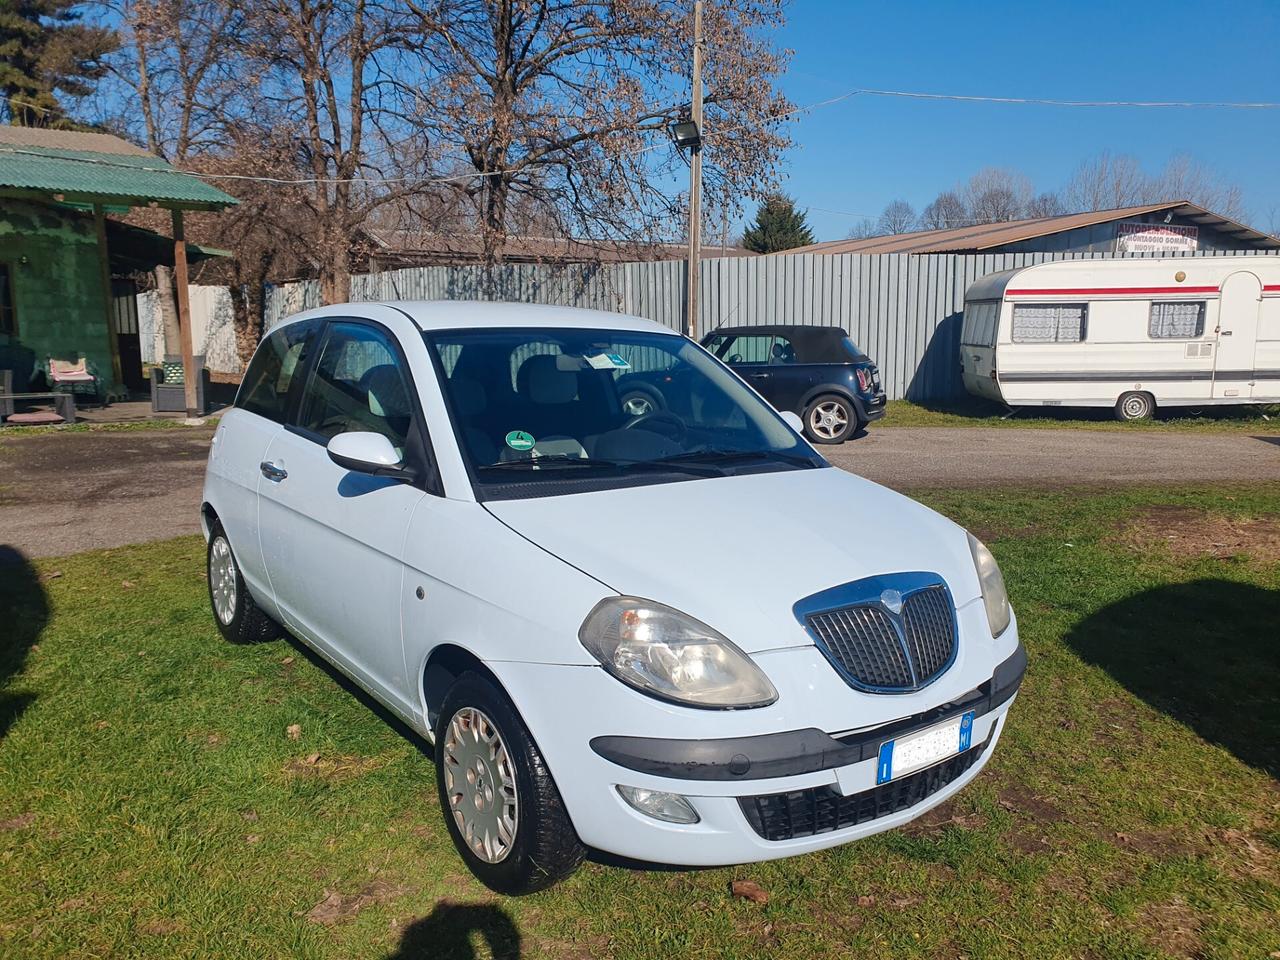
point(986, 236)
point(466, 248)
point(96, 167)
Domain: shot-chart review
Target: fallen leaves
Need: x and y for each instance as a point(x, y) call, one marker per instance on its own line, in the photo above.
point(749, 890)
point(337, 906)
point(293, 731)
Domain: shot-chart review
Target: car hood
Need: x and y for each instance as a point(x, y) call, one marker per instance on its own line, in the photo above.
point(738, 552)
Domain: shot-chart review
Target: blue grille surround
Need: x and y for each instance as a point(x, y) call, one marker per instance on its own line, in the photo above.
point(894, 633)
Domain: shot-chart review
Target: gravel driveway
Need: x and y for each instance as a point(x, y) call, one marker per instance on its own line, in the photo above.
point(66, 492)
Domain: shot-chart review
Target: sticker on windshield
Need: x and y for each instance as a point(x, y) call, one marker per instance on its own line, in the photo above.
point(607, 361)
point(519, 440)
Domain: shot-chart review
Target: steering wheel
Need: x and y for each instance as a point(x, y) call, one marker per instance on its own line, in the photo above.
point(659, 416)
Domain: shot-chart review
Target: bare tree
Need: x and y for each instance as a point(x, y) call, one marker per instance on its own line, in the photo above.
point(864, 229)
point(564, 107)
point(945, 212)
point(1045, 205)
point(1105, 182)
point(898, 217)
point(996, 194)
point(1185, 179)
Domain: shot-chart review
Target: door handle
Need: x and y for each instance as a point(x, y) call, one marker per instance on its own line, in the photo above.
point(758, 376)
point(272, 472)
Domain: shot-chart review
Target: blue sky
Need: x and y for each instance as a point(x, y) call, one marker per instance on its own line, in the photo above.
point(861, 153)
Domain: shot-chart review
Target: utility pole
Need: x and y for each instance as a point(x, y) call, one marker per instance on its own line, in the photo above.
point(695, 179)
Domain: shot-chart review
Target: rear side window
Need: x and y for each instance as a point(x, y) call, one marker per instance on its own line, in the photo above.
point(1176, 321)
point(265, 388)
point(980, 319)
point(1049, 322)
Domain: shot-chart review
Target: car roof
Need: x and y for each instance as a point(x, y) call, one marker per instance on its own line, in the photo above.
point(481, 315)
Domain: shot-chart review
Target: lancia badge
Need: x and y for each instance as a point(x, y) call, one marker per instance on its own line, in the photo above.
point(892, 600)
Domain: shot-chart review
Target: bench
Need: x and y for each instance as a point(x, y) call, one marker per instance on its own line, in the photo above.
point(63, 403)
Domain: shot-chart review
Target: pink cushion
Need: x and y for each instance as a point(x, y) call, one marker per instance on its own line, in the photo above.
point(75, 376)
point(34, 418)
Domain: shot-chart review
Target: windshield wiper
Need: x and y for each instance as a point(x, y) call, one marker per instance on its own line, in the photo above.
point(569, 460)
point(729, 456)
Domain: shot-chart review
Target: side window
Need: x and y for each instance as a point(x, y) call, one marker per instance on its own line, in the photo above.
point(1176, 321)
point(981, 317)
point(1049, 323)
point(265, 388)
point(751, 348)
point(782, 351)
point(359, 384)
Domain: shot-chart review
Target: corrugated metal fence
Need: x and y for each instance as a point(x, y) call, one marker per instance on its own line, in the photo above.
point(902, 309)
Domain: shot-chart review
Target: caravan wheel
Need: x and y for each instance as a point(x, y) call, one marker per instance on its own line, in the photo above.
point(1135, 406)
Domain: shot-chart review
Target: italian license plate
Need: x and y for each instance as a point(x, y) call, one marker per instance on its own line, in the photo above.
point(919, 750)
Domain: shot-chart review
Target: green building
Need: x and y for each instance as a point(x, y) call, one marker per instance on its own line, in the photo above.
point(59, 252)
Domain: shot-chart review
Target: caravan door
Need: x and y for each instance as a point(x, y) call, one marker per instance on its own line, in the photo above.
point(1238, 310)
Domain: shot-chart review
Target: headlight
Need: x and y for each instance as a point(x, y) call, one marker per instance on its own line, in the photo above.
point(994, 597)
point(665, 653)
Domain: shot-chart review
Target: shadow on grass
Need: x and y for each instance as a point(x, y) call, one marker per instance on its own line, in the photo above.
point(447, 933)
point(24, 611)
point(1205, 653)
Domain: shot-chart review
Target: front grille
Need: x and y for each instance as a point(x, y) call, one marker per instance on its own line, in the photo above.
point(876, 650)
point(804, 813)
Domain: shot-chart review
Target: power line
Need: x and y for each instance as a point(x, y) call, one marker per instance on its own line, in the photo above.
point(1049, 102)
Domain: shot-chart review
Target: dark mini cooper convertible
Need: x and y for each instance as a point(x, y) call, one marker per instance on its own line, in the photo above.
point(816, 372)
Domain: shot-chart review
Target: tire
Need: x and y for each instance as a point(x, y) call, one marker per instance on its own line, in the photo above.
point(543, 848)
point(239, 619)
point(1135, 405)
point(830, 418)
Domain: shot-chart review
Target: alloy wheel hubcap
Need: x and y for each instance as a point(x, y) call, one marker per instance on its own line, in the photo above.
point(480, 785)
point(222, 580)
point(828, 420)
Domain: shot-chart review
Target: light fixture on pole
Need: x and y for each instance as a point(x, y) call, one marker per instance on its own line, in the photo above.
point(686, 134)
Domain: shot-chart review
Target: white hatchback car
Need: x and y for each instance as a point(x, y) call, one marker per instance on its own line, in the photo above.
point(677, 636)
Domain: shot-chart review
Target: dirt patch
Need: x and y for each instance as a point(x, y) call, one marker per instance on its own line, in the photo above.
point(1187, 532)
point(942, 817)
point(1173, 928)
point(337, 906)
point(1022, 802)
point(331, 768)
point(17, 823)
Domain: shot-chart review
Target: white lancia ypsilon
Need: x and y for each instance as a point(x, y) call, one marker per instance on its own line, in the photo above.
point(675, 634)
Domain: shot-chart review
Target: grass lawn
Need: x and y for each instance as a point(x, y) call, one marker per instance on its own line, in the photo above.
point(153, 802)
point(974, 412)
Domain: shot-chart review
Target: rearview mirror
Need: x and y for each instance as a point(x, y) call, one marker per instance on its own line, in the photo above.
point(793, 421)
point(371, 453)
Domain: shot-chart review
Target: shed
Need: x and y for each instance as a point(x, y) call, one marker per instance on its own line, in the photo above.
point(58, 250)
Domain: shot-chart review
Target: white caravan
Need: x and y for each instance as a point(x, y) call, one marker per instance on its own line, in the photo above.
point(1130, 334)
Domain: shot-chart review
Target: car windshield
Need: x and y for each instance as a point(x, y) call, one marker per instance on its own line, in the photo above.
point(588, 409)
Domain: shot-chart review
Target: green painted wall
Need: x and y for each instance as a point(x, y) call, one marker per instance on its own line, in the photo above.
point(58, 297)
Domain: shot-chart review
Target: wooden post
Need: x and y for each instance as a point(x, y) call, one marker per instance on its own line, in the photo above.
point(104, 273)
point(189, 373)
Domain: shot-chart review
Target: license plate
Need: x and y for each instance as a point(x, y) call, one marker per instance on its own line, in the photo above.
point(919, 750)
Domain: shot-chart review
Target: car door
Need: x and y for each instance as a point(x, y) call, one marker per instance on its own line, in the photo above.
point(788, 379)
point(241, 441)
point(748, 354)
point(333, 539)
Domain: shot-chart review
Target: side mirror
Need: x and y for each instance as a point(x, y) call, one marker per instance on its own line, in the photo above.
point(793, 421)
point(370, 453)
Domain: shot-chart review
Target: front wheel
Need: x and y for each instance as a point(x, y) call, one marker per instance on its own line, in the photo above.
point(830, 419)
point(500, 804)
point(1135, 406)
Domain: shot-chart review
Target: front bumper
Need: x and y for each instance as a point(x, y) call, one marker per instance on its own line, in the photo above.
point(742, 785)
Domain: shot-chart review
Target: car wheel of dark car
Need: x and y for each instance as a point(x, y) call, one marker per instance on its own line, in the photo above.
point(830, 419)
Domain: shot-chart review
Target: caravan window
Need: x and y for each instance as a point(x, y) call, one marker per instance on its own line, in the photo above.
point(1176, 321)
point(1049, 322)
point(980, 320)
